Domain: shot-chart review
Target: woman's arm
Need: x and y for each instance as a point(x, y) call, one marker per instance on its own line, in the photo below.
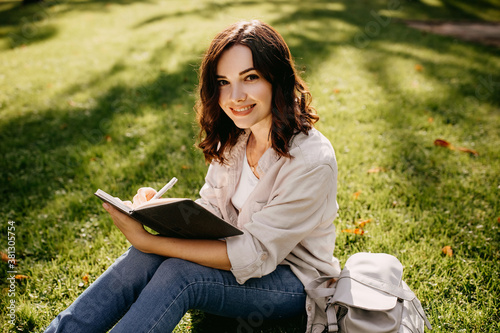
point(210, 253)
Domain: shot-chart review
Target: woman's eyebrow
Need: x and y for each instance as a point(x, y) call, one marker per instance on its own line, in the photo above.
point(247, 70)
point(240, 73)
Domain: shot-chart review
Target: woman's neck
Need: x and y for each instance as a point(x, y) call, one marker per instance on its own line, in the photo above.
point(255, 150)
point(258, 144)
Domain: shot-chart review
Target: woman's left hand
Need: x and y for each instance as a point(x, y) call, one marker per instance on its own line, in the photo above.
point(133, 230)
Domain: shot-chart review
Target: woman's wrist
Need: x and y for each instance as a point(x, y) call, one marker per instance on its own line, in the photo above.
point(143, 242)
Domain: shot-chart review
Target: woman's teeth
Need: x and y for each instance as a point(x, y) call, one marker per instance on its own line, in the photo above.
point(244, 109)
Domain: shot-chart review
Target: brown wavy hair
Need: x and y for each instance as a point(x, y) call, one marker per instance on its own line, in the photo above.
point(291, 110)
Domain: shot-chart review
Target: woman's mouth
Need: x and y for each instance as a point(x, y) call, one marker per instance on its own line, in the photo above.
point(242, 111)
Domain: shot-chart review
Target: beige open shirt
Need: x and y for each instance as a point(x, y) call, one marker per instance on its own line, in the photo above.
point(287, 219)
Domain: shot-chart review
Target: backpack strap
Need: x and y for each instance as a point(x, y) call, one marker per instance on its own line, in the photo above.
point(421, 312)
point(388, 288)
point(314, 290)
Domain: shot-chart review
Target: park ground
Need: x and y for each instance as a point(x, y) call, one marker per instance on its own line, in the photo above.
point(100, 94)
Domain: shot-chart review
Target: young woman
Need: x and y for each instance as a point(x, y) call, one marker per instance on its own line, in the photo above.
point(271, 174)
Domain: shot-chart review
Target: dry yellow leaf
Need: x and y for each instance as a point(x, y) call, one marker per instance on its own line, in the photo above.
point(447, 250)
point(468, 150)
point(356, 231)
point(361, 224)
point(5, 258)
point(376, 170)
point(443, 143)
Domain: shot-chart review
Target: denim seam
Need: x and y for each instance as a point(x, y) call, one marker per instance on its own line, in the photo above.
point(272, 290)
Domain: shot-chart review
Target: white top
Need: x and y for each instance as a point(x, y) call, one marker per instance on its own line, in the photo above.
point(245, 186)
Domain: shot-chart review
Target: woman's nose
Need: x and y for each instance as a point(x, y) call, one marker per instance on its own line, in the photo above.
point(238, 93)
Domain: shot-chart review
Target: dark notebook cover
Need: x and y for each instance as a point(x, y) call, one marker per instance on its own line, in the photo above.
point(183, 219)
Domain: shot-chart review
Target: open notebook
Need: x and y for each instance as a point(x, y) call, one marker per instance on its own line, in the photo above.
point(175, 217)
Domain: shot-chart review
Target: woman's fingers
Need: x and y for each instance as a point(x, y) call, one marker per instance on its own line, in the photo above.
point(143, 195)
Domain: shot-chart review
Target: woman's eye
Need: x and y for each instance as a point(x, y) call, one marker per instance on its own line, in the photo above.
point(222, 82)
point(252, 77)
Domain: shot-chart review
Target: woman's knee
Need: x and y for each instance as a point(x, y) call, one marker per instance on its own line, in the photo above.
point(187, 280)
point(179, 269)
point(135, 264)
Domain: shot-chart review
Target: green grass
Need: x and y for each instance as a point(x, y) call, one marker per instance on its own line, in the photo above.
point(100, 94)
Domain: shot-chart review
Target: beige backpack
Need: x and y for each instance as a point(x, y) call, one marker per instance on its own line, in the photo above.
point(370, 296)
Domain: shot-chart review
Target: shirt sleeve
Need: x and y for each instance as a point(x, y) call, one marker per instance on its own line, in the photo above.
point(304, 200)
point(208, 199)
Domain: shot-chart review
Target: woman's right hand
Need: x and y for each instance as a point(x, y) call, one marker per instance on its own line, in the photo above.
point(143, 195)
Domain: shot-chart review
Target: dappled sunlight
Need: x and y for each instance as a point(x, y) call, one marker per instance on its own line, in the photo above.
point(100, 94)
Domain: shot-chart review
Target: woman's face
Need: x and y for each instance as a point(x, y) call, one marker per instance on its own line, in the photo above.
point(245, 96)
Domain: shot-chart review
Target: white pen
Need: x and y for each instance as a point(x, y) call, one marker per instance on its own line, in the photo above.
point(165, 188)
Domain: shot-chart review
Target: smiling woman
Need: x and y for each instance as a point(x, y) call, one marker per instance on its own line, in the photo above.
point(245, 95)
point(271, 174)
point(260, 50)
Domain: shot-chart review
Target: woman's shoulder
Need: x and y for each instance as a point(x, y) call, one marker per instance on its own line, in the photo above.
point(313, 149)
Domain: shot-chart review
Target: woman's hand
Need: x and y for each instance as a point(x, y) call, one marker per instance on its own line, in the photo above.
point(211, 253)
point(133, 230)
point(144, 194)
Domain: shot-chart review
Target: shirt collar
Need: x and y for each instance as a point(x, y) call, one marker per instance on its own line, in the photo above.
point(235, 155)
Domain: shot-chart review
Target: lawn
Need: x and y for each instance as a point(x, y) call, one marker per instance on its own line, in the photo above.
point(100, 94)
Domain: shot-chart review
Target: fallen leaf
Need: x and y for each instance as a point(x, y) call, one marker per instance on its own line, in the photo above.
point(361, 224)
point(446, 144)
point(443, 143)
point(419, 67)
point(447, 250)
point(467, 150)
point(376, 170)
point(430, 120)
point(355, 195)
point(356, 231)
point(85, 279)
point(21, 277)
point(108, 138)
point(498, 220)
point(5, 258)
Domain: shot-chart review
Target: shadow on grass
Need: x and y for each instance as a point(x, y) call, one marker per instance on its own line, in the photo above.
point(42, 150)
point(424, 172)
point(46, 152)
point(207, 10)
point(24, 25)
point(461, 9)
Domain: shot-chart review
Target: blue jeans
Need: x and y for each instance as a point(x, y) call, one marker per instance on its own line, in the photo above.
point(148, 293)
